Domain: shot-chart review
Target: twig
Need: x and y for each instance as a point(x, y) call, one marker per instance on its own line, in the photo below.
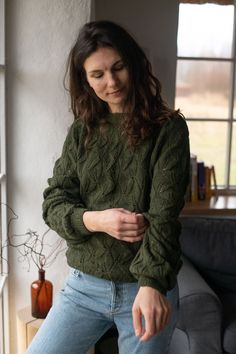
point(33, 247)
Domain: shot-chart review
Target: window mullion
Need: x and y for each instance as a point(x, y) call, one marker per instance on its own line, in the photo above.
point(204, 58)
point(231, 105)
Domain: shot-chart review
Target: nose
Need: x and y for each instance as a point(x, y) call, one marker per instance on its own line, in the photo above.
point(112, 79)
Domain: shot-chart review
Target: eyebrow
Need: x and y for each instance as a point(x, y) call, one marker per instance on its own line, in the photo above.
point(98, 70)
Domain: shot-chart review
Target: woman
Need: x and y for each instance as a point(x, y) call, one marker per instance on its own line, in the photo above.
point(115, 197)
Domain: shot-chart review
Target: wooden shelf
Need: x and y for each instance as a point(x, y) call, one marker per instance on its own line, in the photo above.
point(221, 205)
point(27, 327)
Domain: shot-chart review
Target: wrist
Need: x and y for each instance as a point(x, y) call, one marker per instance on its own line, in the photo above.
point(90, 220)
point(152, 283)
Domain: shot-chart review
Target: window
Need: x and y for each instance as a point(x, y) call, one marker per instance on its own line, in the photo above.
point(205, 84)
point(4, 334)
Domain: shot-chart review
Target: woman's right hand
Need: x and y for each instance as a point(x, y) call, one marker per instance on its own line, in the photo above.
point(119, 223)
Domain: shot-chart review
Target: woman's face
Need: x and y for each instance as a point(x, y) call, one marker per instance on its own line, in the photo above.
point(108, 76)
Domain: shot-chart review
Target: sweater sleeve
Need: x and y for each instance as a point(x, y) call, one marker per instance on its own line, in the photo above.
point(63, 207)
point(158, 259)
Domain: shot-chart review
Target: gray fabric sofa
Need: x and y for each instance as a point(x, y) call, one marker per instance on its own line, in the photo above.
point(207, 283)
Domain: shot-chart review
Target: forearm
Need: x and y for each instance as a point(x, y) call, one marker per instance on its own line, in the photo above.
point(158, 259)
point(65, 217)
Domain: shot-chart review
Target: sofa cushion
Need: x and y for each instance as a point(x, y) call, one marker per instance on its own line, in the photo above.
point(229, 342)
point(210, 244)
point(229, 321)
point(179, 342)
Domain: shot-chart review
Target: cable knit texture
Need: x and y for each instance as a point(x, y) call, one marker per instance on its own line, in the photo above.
point(149, 179)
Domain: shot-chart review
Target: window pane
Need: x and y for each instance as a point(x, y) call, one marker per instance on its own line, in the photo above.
point(205, 30)
point(202, 88)
point(233, 159)
point(208, 142)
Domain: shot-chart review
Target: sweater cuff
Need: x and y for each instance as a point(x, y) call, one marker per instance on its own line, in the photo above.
point(143, 281)
point(77, 221)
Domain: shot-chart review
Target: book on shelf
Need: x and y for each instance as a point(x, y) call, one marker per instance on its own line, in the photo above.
point(202, 181)
point(193, 180)
point(208, 190)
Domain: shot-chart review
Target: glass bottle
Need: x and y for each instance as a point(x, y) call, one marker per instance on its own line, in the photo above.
point(41, 296)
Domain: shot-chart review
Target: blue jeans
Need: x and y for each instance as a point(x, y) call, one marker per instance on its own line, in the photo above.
point(86, 308)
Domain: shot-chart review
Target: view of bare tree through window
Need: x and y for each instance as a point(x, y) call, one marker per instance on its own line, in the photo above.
point(203, 88)
point(208, 142)
point(203, 83)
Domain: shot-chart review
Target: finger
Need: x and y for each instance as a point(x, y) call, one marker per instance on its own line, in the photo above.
point(130, 239)
point(131, 218)
point(142, 230)
point(168, 314)
point(130, 227)
point(137, 321)
point(159, 319)
point(141, 219)
point(130, 232)
point(163, 316)
point(150, 326)
point(123, 210)
point(160, 315)
point(161, 322)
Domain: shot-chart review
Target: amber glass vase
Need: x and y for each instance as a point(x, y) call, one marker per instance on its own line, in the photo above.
point(41, 296)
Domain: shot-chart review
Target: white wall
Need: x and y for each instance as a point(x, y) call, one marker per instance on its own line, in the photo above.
point(154, 24)
point(39, 36)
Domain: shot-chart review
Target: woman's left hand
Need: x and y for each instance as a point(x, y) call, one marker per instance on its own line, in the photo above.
point(155, 309)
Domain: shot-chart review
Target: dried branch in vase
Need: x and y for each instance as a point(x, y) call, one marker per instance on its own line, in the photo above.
point(32, 246)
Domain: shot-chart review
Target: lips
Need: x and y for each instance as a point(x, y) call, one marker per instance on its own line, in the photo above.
point(114, 93)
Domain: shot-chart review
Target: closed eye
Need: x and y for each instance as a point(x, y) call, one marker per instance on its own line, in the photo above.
point(97, 74)
point(118, 66)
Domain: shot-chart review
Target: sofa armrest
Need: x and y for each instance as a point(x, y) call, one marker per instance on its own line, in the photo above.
point(192, 283)
point(200, 314)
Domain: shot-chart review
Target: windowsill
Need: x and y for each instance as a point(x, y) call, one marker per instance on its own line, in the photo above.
point(224, 205)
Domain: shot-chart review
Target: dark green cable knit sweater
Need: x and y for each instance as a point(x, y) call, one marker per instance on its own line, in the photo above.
point(149, 179)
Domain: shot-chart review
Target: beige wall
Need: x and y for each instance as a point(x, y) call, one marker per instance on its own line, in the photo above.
point(39, 35)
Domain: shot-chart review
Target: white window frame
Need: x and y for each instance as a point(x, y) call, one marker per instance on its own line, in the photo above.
point(4, 305)
point(227, 190)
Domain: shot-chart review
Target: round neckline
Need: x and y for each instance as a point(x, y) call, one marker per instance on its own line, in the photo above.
point(114, 117)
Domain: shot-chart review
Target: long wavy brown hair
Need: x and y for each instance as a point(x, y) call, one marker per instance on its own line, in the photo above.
point(144, 106)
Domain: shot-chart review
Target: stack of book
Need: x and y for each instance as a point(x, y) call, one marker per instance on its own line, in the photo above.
point(202, 181)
